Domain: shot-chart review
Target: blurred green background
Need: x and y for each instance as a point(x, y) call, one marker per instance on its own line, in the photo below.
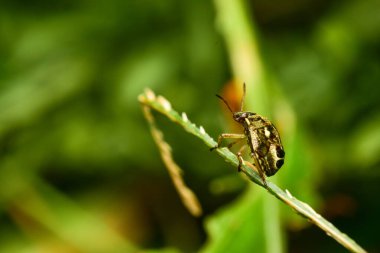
point(79, 170)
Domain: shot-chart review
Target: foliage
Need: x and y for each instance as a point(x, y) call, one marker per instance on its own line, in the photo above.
point(80, 172)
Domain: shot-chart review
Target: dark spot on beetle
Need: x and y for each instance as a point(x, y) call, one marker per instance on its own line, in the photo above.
point(279, 163)
point(280, 152)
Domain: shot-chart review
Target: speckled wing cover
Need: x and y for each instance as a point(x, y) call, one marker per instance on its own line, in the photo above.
point(265, 144)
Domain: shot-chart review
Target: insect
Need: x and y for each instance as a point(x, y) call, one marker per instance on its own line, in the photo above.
point(262, 138)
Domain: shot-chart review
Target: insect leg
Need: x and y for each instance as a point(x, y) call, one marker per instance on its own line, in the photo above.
point(259, 170)
point(240, 157)
point(233, 143)
point(257, 167)
point(228, 136)
point(261, 174)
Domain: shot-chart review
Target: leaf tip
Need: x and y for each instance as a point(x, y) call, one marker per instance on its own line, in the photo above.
point(165, 103)
point(184, 117)
point(150, 94)
point(289, 194)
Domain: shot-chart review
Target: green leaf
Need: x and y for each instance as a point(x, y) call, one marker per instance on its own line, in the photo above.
point(238, 227)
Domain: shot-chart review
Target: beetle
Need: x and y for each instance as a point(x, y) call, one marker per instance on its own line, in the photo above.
point(262, 138)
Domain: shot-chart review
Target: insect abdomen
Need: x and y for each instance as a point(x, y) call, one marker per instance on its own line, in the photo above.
point(266, 148)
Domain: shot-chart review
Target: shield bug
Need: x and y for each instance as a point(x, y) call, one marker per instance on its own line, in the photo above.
point(262, 138)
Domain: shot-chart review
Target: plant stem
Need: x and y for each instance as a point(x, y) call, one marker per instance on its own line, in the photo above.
point(163, 106)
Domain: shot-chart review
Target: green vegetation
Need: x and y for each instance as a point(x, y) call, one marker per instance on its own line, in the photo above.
point(79, 170)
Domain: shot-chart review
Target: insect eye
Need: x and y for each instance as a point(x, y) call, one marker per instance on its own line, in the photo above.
point(280, 152)
point(279, 163)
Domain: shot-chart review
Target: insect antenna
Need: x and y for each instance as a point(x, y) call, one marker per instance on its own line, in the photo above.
point(242, 99)
point(221, 98)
